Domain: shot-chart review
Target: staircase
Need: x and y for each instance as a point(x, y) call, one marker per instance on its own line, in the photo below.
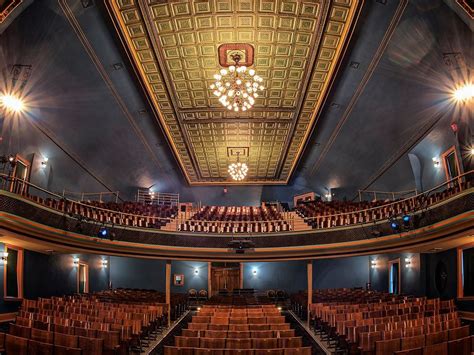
point(172, 225)
point(298, 223)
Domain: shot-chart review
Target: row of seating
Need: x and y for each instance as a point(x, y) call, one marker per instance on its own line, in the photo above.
point(108, 326)
point(228, 329)
point(323, 214)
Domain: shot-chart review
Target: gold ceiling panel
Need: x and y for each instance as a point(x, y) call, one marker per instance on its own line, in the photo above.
point(174, 47)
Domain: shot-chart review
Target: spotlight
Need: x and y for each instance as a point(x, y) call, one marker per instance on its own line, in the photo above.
point(406, 220)
point(196, 271)
point(464, 93)
point(103, 232)
point(394, 225)
point(12, 103)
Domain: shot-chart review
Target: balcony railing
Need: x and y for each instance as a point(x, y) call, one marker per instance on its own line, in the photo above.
point(175, 220)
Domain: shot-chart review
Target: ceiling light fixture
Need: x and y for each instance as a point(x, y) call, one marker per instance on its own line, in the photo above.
point(464, 93)
point(11, 103)
point(238, 171)
point(237, 87)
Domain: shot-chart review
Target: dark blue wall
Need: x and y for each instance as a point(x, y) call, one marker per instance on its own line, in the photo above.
point(138, 273)
point(412, 278)
point(449, 258)
point(61, 274)
point(191, 280)
point(286, 275)
point(341, 272)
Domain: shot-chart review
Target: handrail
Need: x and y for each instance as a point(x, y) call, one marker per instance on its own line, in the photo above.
point(457, 178)
point(392, 193)
point(288, 220)
point(85, 194)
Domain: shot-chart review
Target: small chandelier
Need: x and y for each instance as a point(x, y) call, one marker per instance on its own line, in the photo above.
point(238, 171)
point(237, 88)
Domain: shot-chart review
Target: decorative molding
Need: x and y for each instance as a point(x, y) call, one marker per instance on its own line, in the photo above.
point(173, 47)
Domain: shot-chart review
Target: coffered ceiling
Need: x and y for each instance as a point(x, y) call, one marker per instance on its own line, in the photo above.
point(173, 47)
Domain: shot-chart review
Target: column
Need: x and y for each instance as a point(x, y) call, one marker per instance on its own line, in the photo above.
point(168, 289)
point(209, 282)
point(310, 287)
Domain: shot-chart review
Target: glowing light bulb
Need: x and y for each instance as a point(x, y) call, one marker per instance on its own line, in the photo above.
point(223, 72)
point(251, 72)
point(12, 103)
point(464, 93)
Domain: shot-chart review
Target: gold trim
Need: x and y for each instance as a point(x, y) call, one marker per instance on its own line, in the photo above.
point(119, 12)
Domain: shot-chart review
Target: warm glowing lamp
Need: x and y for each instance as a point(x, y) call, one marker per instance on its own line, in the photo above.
point(12, 103)
point(464, 93)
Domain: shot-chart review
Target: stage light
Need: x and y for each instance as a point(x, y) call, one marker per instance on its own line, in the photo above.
point(406, 220)
point(103, 232)
point(12, 103)
point(394, 225)
point(464, 93)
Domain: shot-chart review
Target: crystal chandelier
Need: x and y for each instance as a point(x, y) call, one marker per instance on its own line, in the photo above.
point(237, 88)
point(238, 171)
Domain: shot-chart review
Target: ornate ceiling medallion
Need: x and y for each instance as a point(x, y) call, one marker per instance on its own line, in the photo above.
point(237, 88)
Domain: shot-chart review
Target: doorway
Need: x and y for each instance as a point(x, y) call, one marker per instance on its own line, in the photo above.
point(394, 277)
point(225, 277)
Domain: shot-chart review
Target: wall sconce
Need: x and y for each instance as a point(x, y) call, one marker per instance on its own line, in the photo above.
point(104, 263)
point(373, 263)
point(75, 262)
point(436, 162)
point(4, 257)
point(196, 271)
point(254, 271)
point(408, 262)
point(44, 162)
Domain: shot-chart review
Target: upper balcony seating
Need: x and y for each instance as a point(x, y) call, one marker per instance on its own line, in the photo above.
point(128, 213)
point(319, 214)
point(236, 219)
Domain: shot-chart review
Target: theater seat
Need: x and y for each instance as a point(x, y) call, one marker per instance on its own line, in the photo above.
point(16, 345)
point(39, 348)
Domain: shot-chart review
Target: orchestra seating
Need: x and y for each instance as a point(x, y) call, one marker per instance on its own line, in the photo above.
point(110, 322)
point(377, 323)
point(323, 214)
point(231, 329)
point(236, 219)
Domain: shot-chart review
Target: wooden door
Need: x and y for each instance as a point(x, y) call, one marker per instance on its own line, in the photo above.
point(224, 278)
